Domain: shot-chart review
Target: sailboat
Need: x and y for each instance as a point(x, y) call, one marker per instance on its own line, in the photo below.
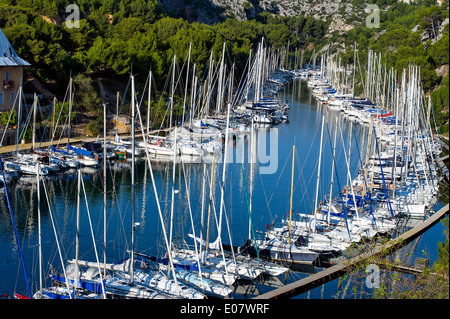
point(157, 145)
point(124, 145)
point(284, 249)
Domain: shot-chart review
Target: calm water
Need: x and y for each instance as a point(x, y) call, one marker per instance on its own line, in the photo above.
point(270, 199)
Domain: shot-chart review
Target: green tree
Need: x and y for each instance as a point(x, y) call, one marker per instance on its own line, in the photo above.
point(81, 39)
point(86, 96)
point(126, 28)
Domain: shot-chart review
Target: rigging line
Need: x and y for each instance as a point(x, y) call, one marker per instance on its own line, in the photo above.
point(59, 116)
point(124, 95)
point(361, 163)
point(27, 122)
point(93, 240)
point(172, 268)
point(192, 223)
point(63, 129)
point(15, 229)
point(302, 178)
point(279, 177)
point(145, 89)
point(29, 218)
point(250, 213)
point(218, 232)
point(9, 118)
point(46, 122)
point(267, 202)
point(304, 163)
point(54, 226)
point(386, 194)
point(115, 200)
point(335, 164)
point(97, 177)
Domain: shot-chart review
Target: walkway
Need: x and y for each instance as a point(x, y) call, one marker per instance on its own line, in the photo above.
point(339, 270)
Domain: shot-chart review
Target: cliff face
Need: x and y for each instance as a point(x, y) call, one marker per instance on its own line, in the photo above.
point(212, 11)
point(341, 12)
point(243, 9)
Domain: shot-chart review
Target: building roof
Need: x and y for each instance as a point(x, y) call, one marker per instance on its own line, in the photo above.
point(9, 57)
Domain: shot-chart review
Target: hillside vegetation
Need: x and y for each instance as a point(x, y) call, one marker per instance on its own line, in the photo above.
point(115, 36)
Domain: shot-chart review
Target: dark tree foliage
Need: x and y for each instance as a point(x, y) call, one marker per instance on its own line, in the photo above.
point(115, 36)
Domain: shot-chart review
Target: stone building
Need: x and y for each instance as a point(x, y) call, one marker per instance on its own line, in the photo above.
point(11, 73)
point(11, 79)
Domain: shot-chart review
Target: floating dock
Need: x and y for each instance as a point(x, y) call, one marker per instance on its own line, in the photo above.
point(334, 272)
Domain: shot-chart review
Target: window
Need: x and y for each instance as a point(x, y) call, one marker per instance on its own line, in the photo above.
point(13, 95)
point(1, 98)
point(7, 76)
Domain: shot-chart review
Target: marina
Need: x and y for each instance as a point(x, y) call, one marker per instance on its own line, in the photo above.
point(286, 173)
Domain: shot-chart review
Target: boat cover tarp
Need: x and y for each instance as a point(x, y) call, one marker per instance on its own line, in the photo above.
point(165, 261)
point(384, 115)
point(56, 296)
point(95, 287)
point(58, 151)
point(79, 151)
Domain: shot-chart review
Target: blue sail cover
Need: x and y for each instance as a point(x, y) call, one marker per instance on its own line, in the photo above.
point(95, 287)
point(56, 296)
point(188, 266)
point(165, 261)
point(58, 151)
point(79, 151)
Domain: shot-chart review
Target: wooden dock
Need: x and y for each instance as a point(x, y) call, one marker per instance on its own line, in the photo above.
point(10, 149)
point(27, 146)
point(334, 272)
point(443, 168)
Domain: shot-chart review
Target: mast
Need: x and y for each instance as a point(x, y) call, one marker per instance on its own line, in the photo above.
point(34, 120)
point(220, 83)
point(53, 117)
point(104, 188)
point(117, 104)
point(161, 219)
point(318, 172)
point(350, 148)
point(174, 163)
point(38, 191)
point(252, 145)
point(208, 87)
point(203, 209)
point(14, 226)
point(332, 171)
point(223, 171)
point(173, 80)
point(209, 206)
point(148, 102)
point(193, 94)
point(133, 146)
point(70, 110)
point(349, 178)
point(186, 86)
point(394, 168)
point(249, 74)
point(77, 236)
point(292, 192)
point(19, 116)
